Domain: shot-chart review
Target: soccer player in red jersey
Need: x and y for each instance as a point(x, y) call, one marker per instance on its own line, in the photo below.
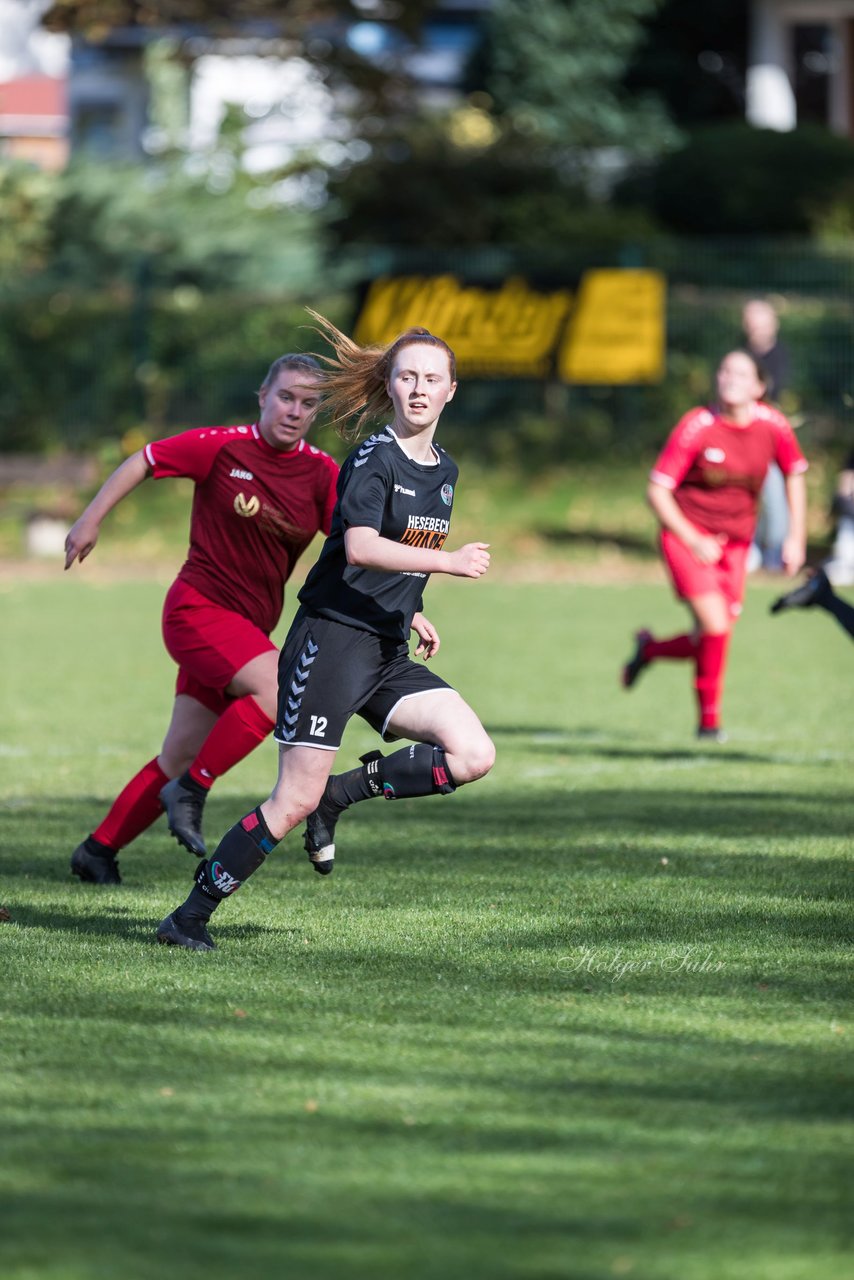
point(261, 494)
point(704, 490)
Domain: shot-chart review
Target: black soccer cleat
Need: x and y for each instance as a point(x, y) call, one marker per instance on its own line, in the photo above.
point(184, 809)
point(807, 594)
point(193, 934)
point(95, 868)
point(712, 735)
point(637, 661)
point(319, 838)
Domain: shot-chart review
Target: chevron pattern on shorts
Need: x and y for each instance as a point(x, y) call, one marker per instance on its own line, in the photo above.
point(297, 689)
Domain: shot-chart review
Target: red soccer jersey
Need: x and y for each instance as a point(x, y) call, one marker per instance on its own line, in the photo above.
point(716, 468)
point(255, 510)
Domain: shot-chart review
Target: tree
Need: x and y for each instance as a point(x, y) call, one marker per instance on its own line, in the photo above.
point(554, 70)
point(694, 56)
point(96, 18)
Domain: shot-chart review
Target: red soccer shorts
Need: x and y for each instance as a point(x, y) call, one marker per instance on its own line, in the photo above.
point(209, 643)
point(690, 578)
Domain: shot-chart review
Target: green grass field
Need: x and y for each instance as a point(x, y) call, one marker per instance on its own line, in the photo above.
point(588, 1018)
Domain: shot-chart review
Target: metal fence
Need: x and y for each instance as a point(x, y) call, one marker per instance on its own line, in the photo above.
point(76, 369)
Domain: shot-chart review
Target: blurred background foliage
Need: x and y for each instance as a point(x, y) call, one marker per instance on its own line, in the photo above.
point(148, 297)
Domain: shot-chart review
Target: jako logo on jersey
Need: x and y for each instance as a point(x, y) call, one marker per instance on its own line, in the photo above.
point(714, 455)
point(237, 474)
point(447, 494)
point(410, 493)
point(223, 879)
point(246, 508)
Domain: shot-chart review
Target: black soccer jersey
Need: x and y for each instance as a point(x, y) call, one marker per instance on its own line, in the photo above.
point(380, 487)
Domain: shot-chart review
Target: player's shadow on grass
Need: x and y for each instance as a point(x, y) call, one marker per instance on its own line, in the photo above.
point(551, 739)
point(112, 920)
point(574, 813)
point(561, 537)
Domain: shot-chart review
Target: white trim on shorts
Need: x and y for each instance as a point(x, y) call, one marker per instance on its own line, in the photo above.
point(417, 693)
point(318, 746)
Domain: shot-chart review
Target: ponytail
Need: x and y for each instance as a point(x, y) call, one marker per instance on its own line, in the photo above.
point(355, 380)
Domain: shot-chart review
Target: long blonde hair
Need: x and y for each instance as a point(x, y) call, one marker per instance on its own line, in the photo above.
point(354, 388)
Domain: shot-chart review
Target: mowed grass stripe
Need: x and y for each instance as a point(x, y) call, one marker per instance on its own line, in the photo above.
point(589, 1018)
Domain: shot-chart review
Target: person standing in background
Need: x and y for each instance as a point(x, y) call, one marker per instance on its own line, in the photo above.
point(761, 327)
point(840, 567)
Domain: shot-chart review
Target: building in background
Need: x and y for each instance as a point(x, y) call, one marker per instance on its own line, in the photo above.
point(60, 94)
point(34, 120)
point(801, 64)
point(33, 87)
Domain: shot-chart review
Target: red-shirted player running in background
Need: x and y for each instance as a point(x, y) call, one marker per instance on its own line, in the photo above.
point(261, 494)
point(704, 490)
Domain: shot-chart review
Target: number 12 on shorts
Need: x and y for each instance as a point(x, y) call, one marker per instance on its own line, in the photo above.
point(318, 727)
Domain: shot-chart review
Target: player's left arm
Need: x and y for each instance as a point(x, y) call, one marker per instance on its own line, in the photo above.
point(793, 464)
point(428, 637)
point(795, 544)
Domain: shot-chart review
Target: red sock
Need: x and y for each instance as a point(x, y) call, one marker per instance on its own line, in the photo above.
point(134, 809)
point(237, 732)
point(676, 647)
point(711, 662)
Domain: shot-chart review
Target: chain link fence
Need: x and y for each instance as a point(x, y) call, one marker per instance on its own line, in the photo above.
point(78, 369)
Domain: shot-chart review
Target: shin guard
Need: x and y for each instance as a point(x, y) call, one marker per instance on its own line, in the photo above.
point(239, 853)
point(419, 770)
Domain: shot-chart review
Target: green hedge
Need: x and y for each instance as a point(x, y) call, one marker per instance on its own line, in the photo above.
point(77, 370)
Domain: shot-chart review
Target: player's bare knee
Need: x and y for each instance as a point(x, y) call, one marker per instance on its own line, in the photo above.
point(474, 761)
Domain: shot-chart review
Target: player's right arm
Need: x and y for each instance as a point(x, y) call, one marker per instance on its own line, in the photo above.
point(83, 534)
point(366, 548)
point(670, 469)
point(702, 546)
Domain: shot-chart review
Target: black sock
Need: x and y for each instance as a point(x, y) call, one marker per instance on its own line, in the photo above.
point(239, 853)
point(362, 783)
point(190, 784)
point(842, 611)
point(97, 849)
point(419, 770)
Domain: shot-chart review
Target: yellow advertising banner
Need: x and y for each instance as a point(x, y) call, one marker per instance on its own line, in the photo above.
point(616, 332)
point(511, 332)
point(612, 332)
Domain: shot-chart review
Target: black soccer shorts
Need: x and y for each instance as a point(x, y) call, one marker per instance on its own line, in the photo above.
point(329, 672)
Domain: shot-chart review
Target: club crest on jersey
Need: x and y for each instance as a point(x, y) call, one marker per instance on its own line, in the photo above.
point(447, 494)
point(714, 455)
point(246, 506)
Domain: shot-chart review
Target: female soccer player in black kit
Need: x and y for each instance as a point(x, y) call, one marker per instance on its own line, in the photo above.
point(347, 649)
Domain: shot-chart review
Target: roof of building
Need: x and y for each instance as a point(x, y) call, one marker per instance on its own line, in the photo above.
point(34, 96)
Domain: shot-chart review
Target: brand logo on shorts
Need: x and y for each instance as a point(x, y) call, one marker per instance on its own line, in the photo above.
point(447, 494)
point(714, 455)
point(236, 474)
point(246, 506)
